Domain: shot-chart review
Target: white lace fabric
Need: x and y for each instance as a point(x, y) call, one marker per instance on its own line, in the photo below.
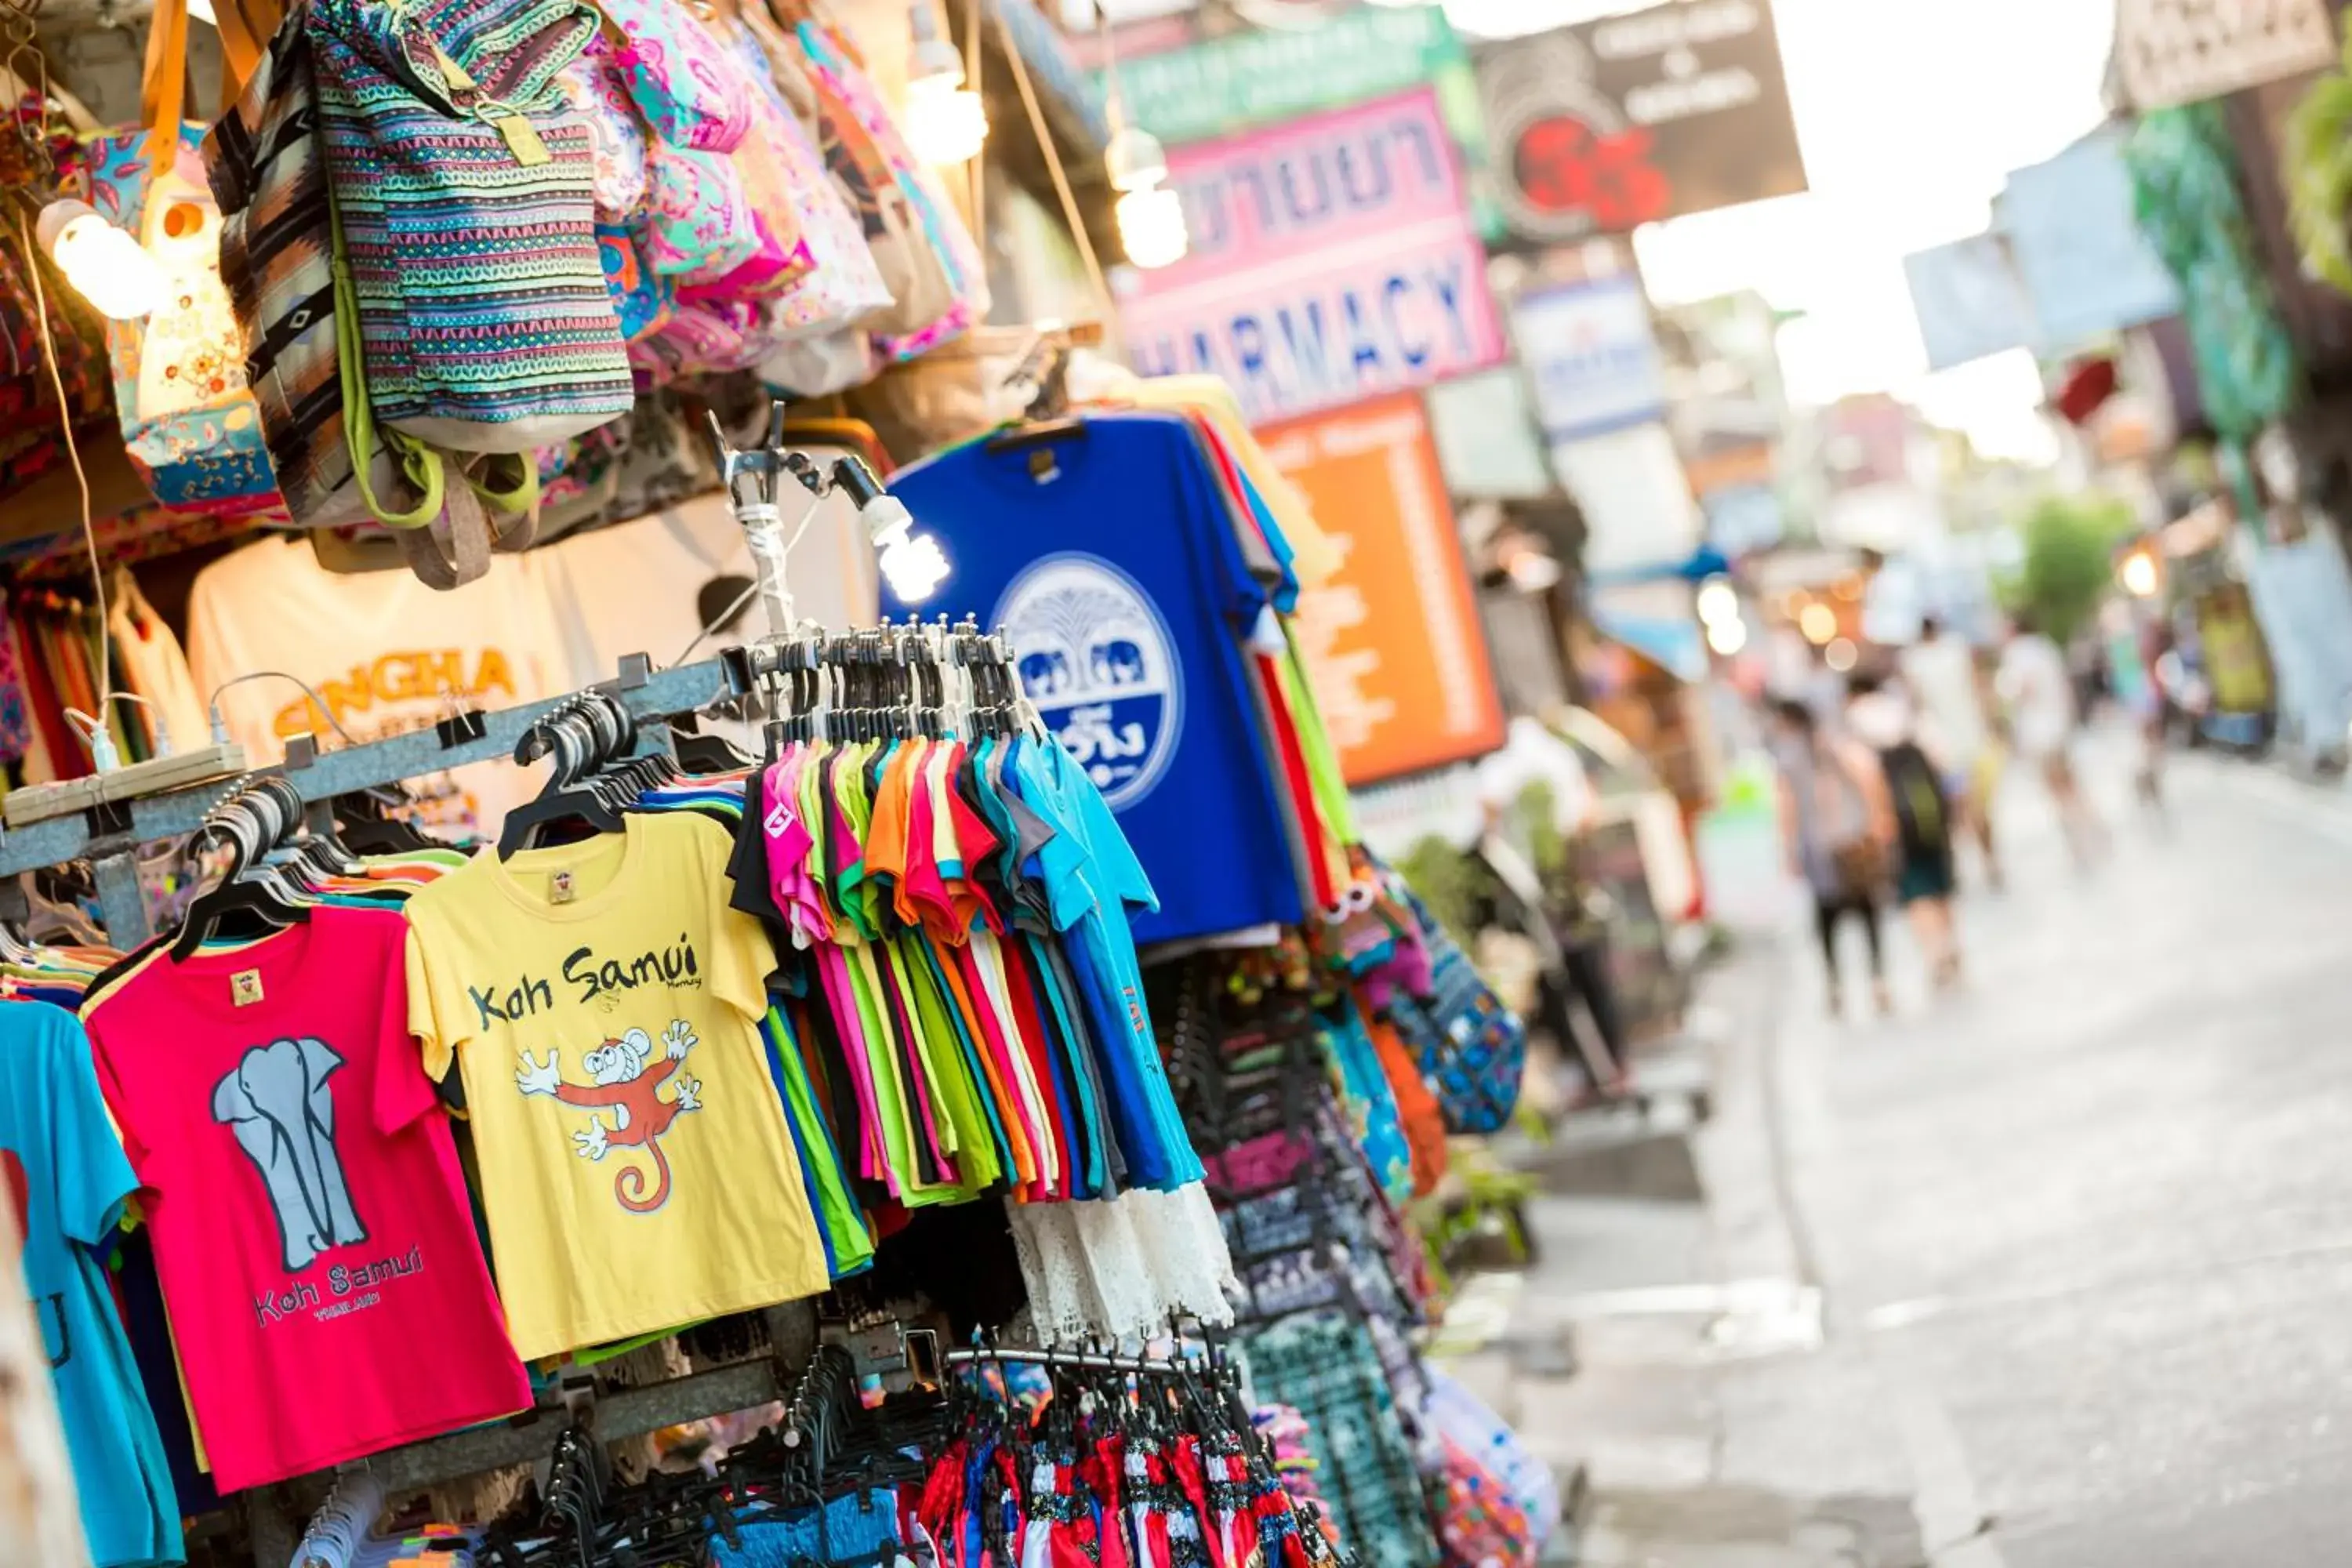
point(1123, 1270)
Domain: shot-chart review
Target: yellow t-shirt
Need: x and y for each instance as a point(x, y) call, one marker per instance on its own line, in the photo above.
point(1315, 558)
point(603, 1002)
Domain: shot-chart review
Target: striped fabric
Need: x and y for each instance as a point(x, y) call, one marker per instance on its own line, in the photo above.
point(276, 259)
point(484, 315)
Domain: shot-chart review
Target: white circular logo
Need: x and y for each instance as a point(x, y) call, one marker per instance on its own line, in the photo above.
point(1095, 657)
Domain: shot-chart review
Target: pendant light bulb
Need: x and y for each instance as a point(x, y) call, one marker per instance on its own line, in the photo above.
point(946, 121)
point(104, 264)
point(1151, 227)
point(912, 564)
point(1135, 160)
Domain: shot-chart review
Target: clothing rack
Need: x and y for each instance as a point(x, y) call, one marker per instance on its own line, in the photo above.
point(110, 835)
point(1140, 1366)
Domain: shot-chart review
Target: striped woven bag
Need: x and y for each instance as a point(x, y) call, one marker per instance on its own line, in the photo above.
point(463, 184)
point(276, 258)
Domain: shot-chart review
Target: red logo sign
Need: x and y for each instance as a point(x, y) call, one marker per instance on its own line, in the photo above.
point(1562, 165)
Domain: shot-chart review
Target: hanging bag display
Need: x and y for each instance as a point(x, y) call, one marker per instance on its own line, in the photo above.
point(920, 287)
point(463, 188)
point(941, 225)
point(268, 175)
point(1473, 1050)
point(662, 66)
point(189, 423)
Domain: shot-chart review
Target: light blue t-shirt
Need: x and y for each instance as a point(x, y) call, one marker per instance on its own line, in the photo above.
point(1092, 878)
point(63, 1174)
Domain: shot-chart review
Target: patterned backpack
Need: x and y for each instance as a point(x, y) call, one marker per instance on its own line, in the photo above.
point(264, 162)
point(463, 186)
point(1472, 1050)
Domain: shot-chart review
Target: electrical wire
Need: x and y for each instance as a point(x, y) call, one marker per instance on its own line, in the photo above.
point(73, 452)
point(220, 726)
point(745, 598)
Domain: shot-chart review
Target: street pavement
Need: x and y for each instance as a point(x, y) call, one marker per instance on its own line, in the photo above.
point(2054, 1272)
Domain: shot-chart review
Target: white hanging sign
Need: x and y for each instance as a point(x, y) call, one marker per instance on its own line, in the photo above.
point(2180, 51)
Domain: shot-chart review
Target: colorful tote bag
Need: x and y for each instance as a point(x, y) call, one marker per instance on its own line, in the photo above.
point(592, 85)
point(192, 426)
point(916, 277)
point(464, 186)
point(674, 70)
point(941, 227)
point(1473, 1050)
point(844, 287)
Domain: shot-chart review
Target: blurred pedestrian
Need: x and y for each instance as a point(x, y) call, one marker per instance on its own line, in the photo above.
point(2035, 683)
point(2132, 652)
point(1920, 796)
point(1836, 825)
point(1940, 672)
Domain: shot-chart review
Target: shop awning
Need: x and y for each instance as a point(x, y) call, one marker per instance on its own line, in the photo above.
point(1704, 562)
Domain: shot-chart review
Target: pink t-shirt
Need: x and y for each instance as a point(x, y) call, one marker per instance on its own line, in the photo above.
point(319, 1261)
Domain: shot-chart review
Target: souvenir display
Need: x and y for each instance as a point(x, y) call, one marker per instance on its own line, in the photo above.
point(594, 996)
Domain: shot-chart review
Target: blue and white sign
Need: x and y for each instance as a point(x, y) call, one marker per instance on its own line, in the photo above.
point(2087, 267)
point(1097, 659)
point(1592, 355)
point(1970, 301)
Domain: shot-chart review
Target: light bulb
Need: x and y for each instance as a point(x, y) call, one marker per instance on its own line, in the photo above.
point(914, 565)
point(946, 122)
point(105, 265)
point(1151, 227)
point(1717, 601)
point(1135, 160)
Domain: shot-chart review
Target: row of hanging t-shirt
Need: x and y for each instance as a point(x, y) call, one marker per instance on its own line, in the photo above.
point(1143, 558)
point(656, 1137)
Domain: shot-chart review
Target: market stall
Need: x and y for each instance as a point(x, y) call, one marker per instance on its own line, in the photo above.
point(596, 974)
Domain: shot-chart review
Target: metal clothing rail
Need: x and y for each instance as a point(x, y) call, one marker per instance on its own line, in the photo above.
point(1142, 1367)
point(108, 835)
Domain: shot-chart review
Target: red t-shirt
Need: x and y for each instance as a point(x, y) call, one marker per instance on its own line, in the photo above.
point(319, 1261)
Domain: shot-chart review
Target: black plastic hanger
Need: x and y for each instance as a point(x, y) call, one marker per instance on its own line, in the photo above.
point(253, 821)
point(572, 794)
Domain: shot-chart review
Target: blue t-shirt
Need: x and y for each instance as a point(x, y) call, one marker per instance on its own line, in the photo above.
point(1123, 589)
point(64, 1174)
point(1092, 877)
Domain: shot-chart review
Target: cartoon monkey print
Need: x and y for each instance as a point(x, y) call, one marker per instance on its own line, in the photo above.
point(624, 1082)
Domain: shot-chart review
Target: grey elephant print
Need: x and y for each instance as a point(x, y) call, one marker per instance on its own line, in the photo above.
point(275, 1102)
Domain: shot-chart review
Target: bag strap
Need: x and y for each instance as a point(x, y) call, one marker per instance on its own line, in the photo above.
point(246, 28)
point(163, 83)
point(469, 555)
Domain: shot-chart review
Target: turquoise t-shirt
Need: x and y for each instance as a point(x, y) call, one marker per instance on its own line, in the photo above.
point(63, 1174)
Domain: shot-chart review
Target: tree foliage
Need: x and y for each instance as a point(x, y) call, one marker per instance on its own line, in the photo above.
point(2315, 165)
point(2069, 566)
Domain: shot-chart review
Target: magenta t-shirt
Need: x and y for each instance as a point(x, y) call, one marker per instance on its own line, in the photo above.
point(319, 1261)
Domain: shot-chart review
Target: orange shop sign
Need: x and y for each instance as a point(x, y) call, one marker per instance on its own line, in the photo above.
point(1392, 642)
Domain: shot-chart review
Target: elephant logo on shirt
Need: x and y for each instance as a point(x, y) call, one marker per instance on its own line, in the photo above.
point(1097, 658)
point(277, 1103)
